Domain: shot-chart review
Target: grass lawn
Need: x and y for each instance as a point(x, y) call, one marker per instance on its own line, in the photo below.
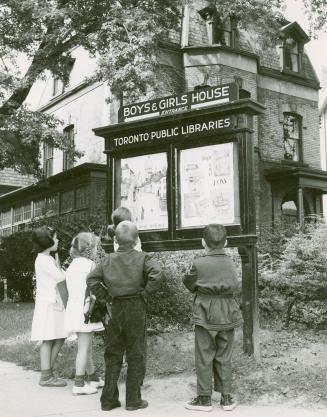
point(292, 369)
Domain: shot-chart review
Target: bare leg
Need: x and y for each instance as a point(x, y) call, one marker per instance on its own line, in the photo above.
point(57, 345)
point(45, 354)
point(84, 343)
point(90, 368)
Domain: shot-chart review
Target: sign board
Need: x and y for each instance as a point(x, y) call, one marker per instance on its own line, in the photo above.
point(209, 185)
point(142, 187)
point(181, 130)
point(206, 97)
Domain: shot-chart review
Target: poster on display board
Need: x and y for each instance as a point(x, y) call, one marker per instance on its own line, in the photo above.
point(208, 186)
point(142, 188)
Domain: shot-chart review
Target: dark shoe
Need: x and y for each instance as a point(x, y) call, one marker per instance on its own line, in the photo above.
point(53, 382)
point(227, 402)
point(200, 403)
point(111, 406)
point(137, 406)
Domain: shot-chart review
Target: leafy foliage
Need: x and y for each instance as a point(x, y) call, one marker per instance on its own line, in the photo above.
point(17, 258)
point(317, 12)
point(124, 36)
point(17, 264)
point(298, 283)
point(125, 32)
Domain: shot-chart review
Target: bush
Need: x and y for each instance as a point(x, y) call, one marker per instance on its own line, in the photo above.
point(17, 258)
point(298, 283)
point(172, 305)
point(17, 265)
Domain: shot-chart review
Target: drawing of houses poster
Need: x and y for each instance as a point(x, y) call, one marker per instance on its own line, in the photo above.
point(207, 185)
point(143, 190)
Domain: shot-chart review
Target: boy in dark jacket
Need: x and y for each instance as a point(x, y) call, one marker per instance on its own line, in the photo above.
point(130, 277)
point(213, 280)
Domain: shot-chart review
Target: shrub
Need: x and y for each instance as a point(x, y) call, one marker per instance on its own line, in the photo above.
point(172, 305)
point(17, 258)
point(17, 265)
point(300, 278)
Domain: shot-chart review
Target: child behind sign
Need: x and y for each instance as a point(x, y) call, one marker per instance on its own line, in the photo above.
point(213, 280)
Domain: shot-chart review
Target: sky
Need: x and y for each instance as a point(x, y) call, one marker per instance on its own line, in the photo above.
point(316, 48)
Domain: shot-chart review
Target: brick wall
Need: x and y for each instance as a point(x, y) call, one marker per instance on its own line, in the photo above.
point(221, 74)
point(271, 126)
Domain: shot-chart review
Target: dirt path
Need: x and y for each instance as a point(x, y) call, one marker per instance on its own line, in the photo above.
point(21, 396)
point(292, 370)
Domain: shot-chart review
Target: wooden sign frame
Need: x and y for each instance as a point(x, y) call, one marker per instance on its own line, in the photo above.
point(207, 129)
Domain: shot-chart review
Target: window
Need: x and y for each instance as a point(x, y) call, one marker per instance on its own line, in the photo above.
point(51, 204)
point(22, 213)
point(82, 197)
point(292, 137)
point(291, 55)
point(220, 32)
point(67, 201)
point(228, 30)
point(68, 160)
point(5, 218)
point(27, 212)
point(39, 208)
point(5, 231)
point(58, 86)
point(18, 214)
point(48, 159)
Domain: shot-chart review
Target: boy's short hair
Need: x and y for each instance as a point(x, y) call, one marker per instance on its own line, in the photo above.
point(42, 238)
point(118, 215)
point(214, 235)
point(126, 233)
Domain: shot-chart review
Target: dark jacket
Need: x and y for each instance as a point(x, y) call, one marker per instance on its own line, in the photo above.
point(213, 279)
point(127, 272)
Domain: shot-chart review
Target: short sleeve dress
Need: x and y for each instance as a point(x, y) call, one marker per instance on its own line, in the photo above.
point(76, 275)
point(49, 313)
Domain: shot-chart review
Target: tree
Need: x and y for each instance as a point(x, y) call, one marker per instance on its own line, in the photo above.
point(124, 34)
point(317, 11)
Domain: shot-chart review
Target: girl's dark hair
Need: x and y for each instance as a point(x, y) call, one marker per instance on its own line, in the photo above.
point(42, 238)
point(118, 216)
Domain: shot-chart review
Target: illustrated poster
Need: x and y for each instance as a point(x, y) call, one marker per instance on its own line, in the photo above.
point(143, 190)
point(207, 185)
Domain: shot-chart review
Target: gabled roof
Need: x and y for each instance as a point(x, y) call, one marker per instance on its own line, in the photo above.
point(295, 31)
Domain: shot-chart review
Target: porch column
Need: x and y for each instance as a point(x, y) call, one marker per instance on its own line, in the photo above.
point(300, 206)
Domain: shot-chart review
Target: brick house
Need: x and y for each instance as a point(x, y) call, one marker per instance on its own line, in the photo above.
point(208, 51)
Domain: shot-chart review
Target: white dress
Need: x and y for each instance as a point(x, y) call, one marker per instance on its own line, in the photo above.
point(76, 275)
point(49, 312)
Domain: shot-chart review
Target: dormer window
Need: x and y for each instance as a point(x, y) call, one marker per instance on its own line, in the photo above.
point(220, 31)
point(291, 55)
point(293, 39)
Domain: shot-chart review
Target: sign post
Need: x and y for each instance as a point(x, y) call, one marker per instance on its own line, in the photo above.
point(181, 162)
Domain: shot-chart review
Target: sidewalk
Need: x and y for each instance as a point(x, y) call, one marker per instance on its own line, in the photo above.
point(21, 396)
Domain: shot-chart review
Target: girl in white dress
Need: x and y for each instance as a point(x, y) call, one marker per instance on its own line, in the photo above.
point(49, 313)
point(83, 251)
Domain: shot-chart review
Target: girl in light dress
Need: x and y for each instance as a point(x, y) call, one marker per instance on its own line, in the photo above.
point(49, 313)
point(83, 251)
